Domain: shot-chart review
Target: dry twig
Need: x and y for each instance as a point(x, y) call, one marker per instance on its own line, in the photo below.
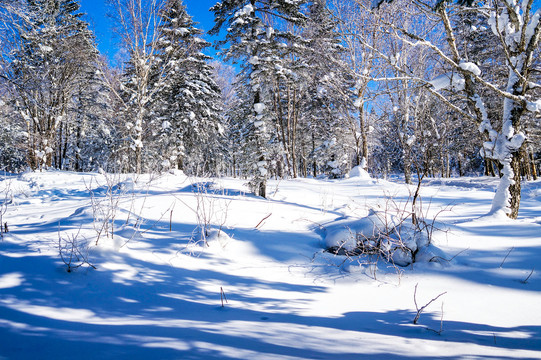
point(422, 308)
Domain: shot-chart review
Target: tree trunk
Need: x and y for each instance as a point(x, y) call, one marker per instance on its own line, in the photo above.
point(364, 135)
point(138, 157)
point(282, 128)
point(314, 164)
point(489, 168)
point(514, 187)
point(294, 137)
point(407, 166)
point(532, 163)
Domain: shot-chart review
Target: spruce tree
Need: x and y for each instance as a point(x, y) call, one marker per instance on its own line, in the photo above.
point(54, 55)
point(258, 33)
point(187, 97)
point(327, 98)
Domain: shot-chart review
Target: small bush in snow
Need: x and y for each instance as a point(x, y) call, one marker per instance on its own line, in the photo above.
point(381, 234)
point(211, 210)
point(388, 234)
point(73, 251)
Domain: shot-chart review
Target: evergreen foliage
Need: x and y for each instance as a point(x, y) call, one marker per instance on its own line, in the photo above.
point(53, 61)
point(187, 97)
point(260, 35)
point(316, 88)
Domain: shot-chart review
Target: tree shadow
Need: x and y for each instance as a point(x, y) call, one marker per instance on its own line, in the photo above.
point(167, 307)
point(139, 309)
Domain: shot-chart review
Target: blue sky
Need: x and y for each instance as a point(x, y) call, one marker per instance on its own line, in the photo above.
point(96, 15)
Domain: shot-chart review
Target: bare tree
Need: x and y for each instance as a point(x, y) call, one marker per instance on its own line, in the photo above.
point(359, 31)
point(137, 23)
point(518, 28)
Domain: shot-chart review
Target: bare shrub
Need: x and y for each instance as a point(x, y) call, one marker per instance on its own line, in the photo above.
point(74, 251)
point(211, 209)
point(104, 201)
point(422, 308)
point(389, 233)
point(6, 199)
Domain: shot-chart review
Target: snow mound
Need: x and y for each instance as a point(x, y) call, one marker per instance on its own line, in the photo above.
point(217, 239)
point(380, 233)
point(345, 234)
point(177, 172)
point(360, 173)
point(211, 238)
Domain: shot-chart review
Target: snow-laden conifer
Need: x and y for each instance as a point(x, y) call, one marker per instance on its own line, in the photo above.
point(260, 35)
point(187, 100)
point(53, 59)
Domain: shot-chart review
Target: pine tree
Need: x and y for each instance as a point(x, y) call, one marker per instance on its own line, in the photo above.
point(188, 99)
point(327, 98)
point(258, 35)
point(91, 136)
point(55, 55)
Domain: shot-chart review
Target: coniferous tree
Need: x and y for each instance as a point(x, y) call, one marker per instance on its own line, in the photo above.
point(258, 34)
point(327, 98)
point(54, 57)
point(187, 97)
point(225, 77)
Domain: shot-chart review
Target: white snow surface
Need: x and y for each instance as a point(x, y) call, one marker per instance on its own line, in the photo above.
point(359, 172)
point(158, 286)
point(259, 108)
point(534, 106)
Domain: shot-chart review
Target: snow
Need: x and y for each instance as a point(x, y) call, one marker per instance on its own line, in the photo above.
point(359, 172)
point(157, 288)
point(259, 108)
point(45, 48)
point(534, 106)
point(444, 81)
point(471, 67)
point(411, 140)
point(534, 22)
point(254, 60)
point(248, 9)
point(182, 31)
point(269, 32)
point(136, 144)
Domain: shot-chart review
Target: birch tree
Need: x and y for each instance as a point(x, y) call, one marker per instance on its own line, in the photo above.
point(137, 23)
point(517, 28)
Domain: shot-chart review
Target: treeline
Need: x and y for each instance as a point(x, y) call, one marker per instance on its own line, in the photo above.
point(428, 88)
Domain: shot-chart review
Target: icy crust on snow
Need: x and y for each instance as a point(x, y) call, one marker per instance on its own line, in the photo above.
point(379, 233)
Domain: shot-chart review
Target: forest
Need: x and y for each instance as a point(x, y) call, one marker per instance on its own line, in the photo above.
point(300, 89)
point(306, 179)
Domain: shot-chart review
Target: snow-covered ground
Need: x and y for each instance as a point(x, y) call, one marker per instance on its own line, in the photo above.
point(158, 285)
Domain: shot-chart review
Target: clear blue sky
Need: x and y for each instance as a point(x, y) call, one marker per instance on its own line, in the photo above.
point(96, 15)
